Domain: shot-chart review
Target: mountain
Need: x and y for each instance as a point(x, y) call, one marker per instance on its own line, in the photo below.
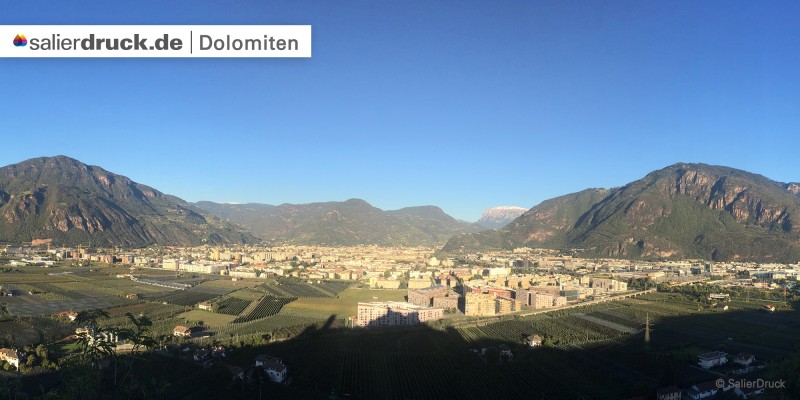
point(793, 187)
point(682, 211)
point(499, 217)
point(72, 203)
point(345, 223)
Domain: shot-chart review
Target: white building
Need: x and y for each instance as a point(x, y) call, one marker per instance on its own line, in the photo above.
point(274, 368)
point(712, 359)
point(394, 313)
point(10, 356)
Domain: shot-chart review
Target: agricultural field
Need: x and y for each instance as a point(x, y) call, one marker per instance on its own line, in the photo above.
point(224, 286)
point(231, 306)
point(208, 318)
point(28, 331)
point(423, 363)
point(603, 356)
point(293, 287)
point(28, 306)
point(188, 297)
point(279, 326)
point(249, 294)
point(344, 305)
point(266, 307)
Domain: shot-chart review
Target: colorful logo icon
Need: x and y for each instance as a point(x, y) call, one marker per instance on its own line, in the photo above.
point(20, 41)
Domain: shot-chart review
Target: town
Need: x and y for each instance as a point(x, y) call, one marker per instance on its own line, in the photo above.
point(215, 305)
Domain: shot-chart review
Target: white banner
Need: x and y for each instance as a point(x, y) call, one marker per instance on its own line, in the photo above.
point(268, 41)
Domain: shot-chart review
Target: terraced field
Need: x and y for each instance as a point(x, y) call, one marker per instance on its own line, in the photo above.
point(231, 306)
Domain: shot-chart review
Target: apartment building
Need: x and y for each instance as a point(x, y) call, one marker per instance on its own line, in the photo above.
point(479, 304)
point(394, 313)
point(424, 297)
point(602, 285)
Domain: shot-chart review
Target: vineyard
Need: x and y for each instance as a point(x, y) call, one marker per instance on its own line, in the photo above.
point(422, 363)
point(187, 297)
point(560, 330)
point(291, 287)
point(231, 306)
point(279, 326)
point(154, 311)
point(266, 306)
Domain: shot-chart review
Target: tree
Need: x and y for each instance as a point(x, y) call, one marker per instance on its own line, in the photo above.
point(90, 318)
point(139, 335)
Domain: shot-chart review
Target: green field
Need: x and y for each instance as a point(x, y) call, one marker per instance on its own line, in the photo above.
point(208, 318)
point(344, 305)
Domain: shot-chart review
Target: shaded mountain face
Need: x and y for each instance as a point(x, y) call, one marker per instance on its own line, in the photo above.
point(499, 217)
point(73, 203)
point(685, 210)
point(346, 223)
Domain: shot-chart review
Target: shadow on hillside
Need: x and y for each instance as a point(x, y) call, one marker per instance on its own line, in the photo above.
point(420, 362)
point(424, 363)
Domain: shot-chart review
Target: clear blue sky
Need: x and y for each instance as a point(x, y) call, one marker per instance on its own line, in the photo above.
point(465, 105)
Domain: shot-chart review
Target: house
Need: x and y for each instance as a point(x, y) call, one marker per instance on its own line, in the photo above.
point(263, 358)
point(273, 367)
point(182, 331)
point(10, 356)
point(102, 337)
point(668, 393)
point(703, 390)
point(236, 372)
point(84, 331)
point(712, 359)
point(744, 359)
point(534, 340)
point(218, 351)
point(71, 315)
point(132, 296)
point(205, 306)
point(745, 392)
point(505, 352)
point(202, 355)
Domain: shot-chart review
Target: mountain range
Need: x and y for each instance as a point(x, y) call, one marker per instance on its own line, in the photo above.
point(499, 217)
point(342, 223)
point(72, 203)
point(682, 211)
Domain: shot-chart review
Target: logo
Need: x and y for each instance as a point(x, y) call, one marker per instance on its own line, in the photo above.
point(20, 41)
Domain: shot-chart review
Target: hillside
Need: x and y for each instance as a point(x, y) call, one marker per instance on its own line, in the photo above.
point(73, 203)
point(684, 210)
point(345, 223)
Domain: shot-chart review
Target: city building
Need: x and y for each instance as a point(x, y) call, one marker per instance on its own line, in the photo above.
point(504, 305)
point(608, 285)
point(668, 393)
point(419, 283)
point(712, 359)
point(744, 359)
point(479, 304)
point(437, 296)
point(394, 313)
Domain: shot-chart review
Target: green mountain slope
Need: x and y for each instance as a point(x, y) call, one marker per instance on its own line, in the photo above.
point(346, 223)
point(685, 210)
point(72, 203)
